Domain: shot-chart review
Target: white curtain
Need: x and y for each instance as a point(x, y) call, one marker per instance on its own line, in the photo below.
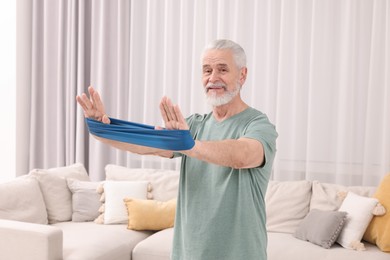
point(318, 68)
point(53, 64)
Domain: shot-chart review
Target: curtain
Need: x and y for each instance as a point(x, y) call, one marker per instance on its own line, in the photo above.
point(318, 68)
point(53, 65)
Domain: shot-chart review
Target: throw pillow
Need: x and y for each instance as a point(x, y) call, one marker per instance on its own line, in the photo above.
point(115, 192)
point(165, 182)
point(100, 191)
point(287, 204)
point(359, 211)
point(150, 214)
point(21, 199)
point(326, 196)
point(378, 232)
point(85, 200)
point(321, 227)
point(56, 194)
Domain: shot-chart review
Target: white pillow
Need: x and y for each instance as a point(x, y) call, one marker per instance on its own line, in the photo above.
point(21, 199)
point(165, 183)
point(115, 193)
point(326, 195)
point(57, 196)
point(359, 214)
point(287, 204)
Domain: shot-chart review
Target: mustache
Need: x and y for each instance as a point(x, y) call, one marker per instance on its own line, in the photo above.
point(215, 85)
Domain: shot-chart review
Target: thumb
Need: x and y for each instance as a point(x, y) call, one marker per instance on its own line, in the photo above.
point(105, 119)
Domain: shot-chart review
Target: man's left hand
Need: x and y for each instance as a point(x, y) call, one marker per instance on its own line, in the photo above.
point(172, 116)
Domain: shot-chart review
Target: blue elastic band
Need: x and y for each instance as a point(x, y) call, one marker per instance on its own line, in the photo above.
point(140, 134)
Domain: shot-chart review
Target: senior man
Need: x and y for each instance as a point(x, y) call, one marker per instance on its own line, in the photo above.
point(223, 178)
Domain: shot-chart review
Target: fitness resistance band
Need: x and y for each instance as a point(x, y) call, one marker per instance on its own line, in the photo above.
point(140, 134)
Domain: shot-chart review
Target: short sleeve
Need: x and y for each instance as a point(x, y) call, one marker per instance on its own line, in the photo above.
point(261, 129)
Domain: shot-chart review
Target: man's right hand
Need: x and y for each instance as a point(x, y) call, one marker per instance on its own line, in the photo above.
point(93, 106)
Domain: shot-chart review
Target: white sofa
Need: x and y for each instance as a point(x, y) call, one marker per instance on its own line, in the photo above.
point(34, 226)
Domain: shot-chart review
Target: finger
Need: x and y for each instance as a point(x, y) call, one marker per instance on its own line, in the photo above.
point(87, 102)
point(166, 109)
point(106, 119)
point(92, 92)
point(98, 102)
point(178, 114)
point(171, 111)
point(163, 111)
point(83, 106)
point(182, 121)
point(81, 103)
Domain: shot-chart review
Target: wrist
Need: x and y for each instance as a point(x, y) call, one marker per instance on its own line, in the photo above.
point(192, 152)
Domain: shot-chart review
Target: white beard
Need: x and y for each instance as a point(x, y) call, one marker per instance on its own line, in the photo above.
point(215, 101)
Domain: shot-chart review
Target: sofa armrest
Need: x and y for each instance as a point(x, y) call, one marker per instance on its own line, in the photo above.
point(22, 240)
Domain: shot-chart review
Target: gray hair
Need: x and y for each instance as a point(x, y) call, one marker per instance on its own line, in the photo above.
point(239, 55)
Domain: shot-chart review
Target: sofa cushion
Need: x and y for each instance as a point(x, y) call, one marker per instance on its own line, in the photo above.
point(165, 183)
point(87, 240)
point(85, 200)
point(359, 210)
point(150, 214)
point(21, 199)
point(378, 232)
point(285, 246)
point(287, 203)
point(321, 227)
point(57, 196)
point(156, 247)
point(280, 246)
point(326, 196)
point(115, 192)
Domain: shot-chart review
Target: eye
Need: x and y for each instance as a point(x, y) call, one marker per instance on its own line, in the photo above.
point(207, 71)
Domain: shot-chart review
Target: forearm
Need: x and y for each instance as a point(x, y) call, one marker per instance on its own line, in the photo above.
point(236, 154)
point(137, 149)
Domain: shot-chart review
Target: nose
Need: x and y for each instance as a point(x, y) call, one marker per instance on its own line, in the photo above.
point(214, 76)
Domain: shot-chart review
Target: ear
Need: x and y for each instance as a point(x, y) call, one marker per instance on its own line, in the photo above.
point(243, 74)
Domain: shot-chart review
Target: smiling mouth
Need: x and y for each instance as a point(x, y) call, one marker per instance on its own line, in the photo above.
point(215, 87)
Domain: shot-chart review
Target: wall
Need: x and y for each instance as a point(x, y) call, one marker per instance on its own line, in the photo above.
point(8, 89)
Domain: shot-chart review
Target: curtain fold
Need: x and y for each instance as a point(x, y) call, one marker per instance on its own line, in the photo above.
point(50, 130)
point(318, 68)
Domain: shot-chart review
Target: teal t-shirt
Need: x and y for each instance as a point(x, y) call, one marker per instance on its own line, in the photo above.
point(220, 210)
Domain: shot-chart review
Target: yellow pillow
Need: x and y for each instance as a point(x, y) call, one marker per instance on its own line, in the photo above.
point(150, 214)
point(378, 232)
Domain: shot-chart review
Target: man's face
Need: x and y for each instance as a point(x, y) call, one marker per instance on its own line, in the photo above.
point(222, 79)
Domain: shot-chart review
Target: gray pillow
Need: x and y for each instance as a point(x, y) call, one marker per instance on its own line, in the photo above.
point(321, 227)
point(85, 200)
point(55, 191)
